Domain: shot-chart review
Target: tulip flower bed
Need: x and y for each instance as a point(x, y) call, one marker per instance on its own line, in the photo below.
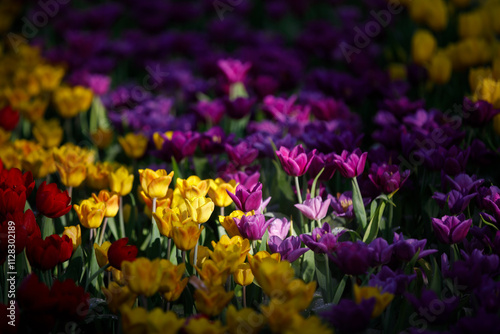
point(250, 167)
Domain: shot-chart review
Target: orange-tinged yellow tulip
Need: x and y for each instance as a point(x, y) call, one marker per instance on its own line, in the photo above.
point(48, 133)
point(90, 213)
point(200, 209)
point(118, 296)
point(71, 163)
point(39, 162)
point(423, 46)
point(48, 76)
point(192, 187)
point(367, 292)
point(10, 157)
point(101, 253)
point(98, 175)
point(174, 294)
point(133, 144)
point(155, 183)
point(262, 255)
point(243, 275)
point(102, 137)
point(143, 276)
point(476, 76)
point(280, 317)
point(33, 109)
point(245, 320)
point(218, 189)
point(472, 25)
point(171, 275)
point(203, 325)
point(138, 320)
point(75, 234)
point(213, 300)
point(186, 236)
point(118, 276)
point(25, 80)
point(70, 101)
point(110, 199)
point(121, 181)
point(226, 248)
point(310, 325)
point(300, 294)
point(272, 276)
point(212, 275)
point(4, 136)
point(202, 256)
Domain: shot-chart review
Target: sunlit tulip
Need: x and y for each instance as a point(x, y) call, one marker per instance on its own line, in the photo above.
point(121, 181)
point(218, 189)
point(75, 234)
point(155, 183)
point(111, 199)
point(200, 209)
point(90, 213)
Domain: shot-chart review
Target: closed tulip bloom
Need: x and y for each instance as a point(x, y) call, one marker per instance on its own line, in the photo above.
point(247, 199)
point(279, 228)
point(314, 208)
point(165, 218)
point(75, 234)
point(101, 253)
point(118, 296)
point(46, 253)
point(214, 274)
point(289, 248)
point(243, 275)
point(295, 162)
point(90, 213)
point(252, 227)
point(212, 301)
point(111, 199)
point(171, 275)
point(440, 68)
point(218, 190)
point(200, 209)
point(48, 133)
point(133, 144)
point(51, 201)
point(423, 46)
point(71, 163)
point(186, 236)
point(225, 245)
point(70, 101)
point(488, 90)
point(121, 181)
point(451, 229)
point(119, 251)
point(155, 183)
point(382, 300)
point(352, 164)
point(192, 187)
point(98, 175)
point(143, 276)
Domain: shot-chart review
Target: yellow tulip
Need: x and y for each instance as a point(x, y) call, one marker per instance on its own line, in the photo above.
point(171, 275)
point(489, 90)
point(272, 276)
point(70, 101)
point(280, 317)
point(23, 79)
point(471, 25)
point(200, 209)
point(155, 183)
point(212, 275)
point(110, 199)
point(102, 138)
point(75, 234)
point(98, 175)
point(10, 157)
point(121, 181)
point(90, 213)
point(205, 326)
point(232, 251)
point(243, 275)
point(39, 162)
point(48, 133)
point(212, 301)
point(174, 294)
point(118, 296)
point(71, 163)
point(186, 236)
point(138, 320)
point(4, 136)
point(245, 320)
point(368, 292)
point(439, 69)
point(48, 76)
point(101, 253)
point(310, 325)
point(476, 75)
point(133, 144)
point(218, 191)
point(33, 109)
point(118, 276)
point(192, 187)
point(143, 276)
point(423, 46)
point(203, 255)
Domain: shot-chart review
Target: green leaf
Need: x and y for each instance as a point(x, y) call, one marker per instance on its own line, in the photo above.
point(74, 270)
point(436, 277)
point(200, 166)
point(283, 182)
point(313, 187)
point(47, 227)
point(324, 276)
point(263, 244)
point(112, 227)
point(307, 267)
point(340, 289)
point(357, 203)
point(372, 229)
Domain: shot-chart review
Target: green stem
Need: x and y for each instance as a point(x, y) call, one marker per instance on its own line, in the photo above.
point(359, 207)
point(299, 193)
point(103, 228)
point(122, 223)
point(244, 296)
point(97, 273)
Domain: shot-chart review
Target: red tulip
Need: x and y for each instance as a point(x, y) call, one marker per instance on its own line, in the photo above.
point(24, 226)
point(72, 301)
point(119, 252)
point(11, 202)
point(46, 254)
point(8, 118)
point(51, 201)
point(17, 181)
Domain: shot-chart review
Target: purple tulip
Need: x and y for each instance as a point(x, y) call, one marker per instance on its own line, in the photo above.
point(252, 227)
point(352, 164)
point(352, 258)
point(247, 199)
point(350, 317)
point(241, 154)
point(234, 70)
point(180, 145)
point(482, 322)
point(248, 179)
point(295, 162)
point(289, 248)
point(405, 249)
point(451, 229)
point(394, 282)
point(387, 178)
point(492, 203)
point(426, 304)
point(314, 208)
point(456, 201)
point(342, 205)
point(320, 161)
point(210, 110)
point(239, 107)
point(279, 228)
point(381, 250)
point(321, 240)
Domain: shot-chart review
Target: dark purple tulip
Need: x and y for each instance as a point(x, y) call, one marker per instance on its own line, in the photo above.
point(404, 250)
point(212, 111)
point(482, 322)
point(478, 113)
point(241, 154)
point(289, 248)
point(428, 303)
point(352, 258)
point(265, 85)
point(321, 240)
point(329, 109)
point(487, 294)
point(182, 144)
point(387, 178)
point(352, 164)
point(402, 106)
point(456, 201)
point(381, 251)
point(295, 162)
point(247, 199)
point(279, 227)
point(213, 140)
point(283, 110)
point(239, 107)
point(394, 282)
point(350, 317)
point(342, 205)
point(451, 229)
point(320, 161)
point(252, 227)
point(492, 203)
point(248, 178)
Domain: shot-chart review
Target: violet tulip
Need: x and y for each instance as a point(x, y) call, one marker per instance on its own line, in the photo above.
point(314, 208)
point(247, 199)
point(295, 162)
point(241, 154)
point(387, 178)
point(289, 248)
point(451, 229)
point(352, 258)
point(352, 164)
point(252, 227)
point(322, 240)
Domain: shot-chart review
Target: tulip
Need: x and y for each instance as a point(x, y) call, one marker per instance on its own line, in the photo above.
point(382, 300)
point(186, 236)
point(48, 133)
point(279, 228)
point(247, 199)
point(9, 119)
point(451, 229)
point(117, 295)
point(101, 253)
point(176, 144)
point(72, 300)
point(171, 275)
point(174, 294)
point(228, 222)
point(213, 300)
point(202, 256)
point(75, 234)
point(252, 227)
point(342, 205)
point(349, 316)
point(315, 208)
point(134, 145)
point(102, 137)
point(138, 320)
point(52, 202)
point(243, 275)
point(121, 181)
point(353, 258)
point(440, 68)
point(111, 200)
point(165, 218)
point(98, 175)
point(244, 320)
point(71, 163)
point(201, 325)
point(143, 276)
point(49, 76)
point(200, 209)
point(350, 165)
point(119, 252)
point(234, 70)
point(40, 162)
point(155, 183)
point(488, 90)
point(90, 213)
point(423, 46)
point(46, 253)
point(191, 187)
point(241, 154)
point(218, 192)
point(213, 275)
point(394, 282)
point(70, 101)
point(295, 162)
point(289, 248)
point(387, 178)
point(226, 246)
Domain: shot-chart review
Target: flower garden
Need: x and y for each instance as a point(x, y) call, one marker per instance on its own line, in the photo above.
point(230, 166)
